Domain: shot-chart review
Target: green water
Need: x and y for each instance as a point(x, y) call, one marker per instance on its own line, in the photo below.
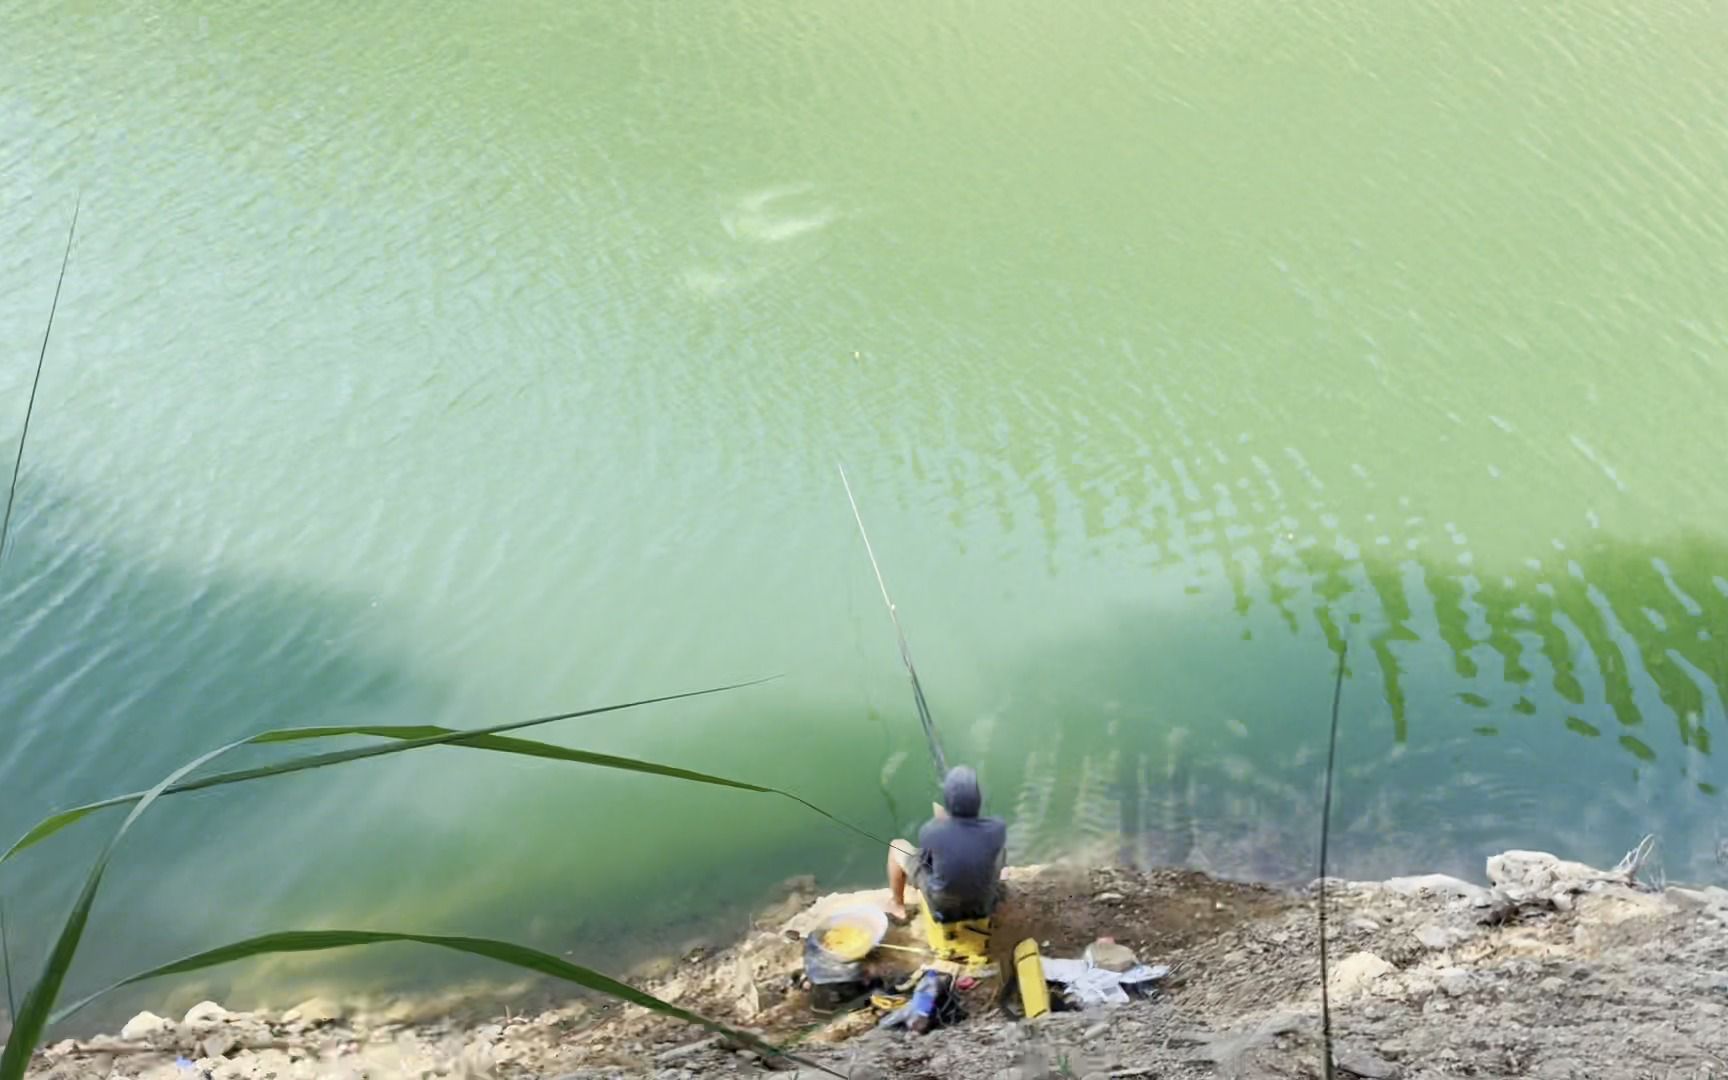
point(458, 366)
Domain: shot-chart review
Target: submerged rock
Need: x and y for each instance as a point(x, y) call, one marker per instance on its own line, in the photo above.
point(312, 1011)
point(205, 1014)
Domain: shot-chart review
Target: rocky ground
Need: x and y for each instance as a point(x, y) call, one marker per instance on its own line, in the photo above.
point(1556, 971)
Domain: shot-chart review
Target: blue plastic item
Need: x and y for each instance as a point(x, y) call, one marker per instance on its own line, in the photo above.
point(923, 1004)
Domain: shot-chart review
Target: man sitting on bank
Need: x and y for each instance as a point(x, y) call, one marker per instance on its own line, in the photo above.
point(958, 859)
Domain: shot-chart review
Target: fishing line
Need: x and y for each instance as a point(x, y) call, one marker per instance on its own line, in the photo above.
point(868, 694)
point(936, 755)
point(6, 523)
point(1325, 834)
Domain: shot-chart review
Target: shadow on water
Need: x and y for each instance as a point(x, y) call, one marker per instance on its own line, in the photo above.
point(126, 664)
point(120, 667)
point(1567, 707)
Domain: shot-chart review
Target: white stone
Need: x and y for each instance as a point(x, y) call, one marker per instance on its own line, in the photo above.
point(144, 1025)
point(1537, 875)
point(219, 1045)
point(1439, 885)
point(205, 1014)
point(1438, 937)
point(1707, 897)
point(1356, 972)
point(1110, 955)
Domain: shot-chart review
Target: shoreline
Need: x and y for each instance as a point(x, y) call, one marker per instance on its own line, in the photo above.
point(1555, 970)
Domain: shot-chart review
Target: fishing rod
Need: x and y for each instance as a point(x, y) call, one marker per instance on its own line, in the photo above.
point(6, 522)
point(936, 755)
point(1325, 835)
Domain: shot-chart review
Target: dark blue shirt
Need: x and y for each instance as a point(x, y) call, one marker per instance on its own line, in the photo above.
point(959, 860)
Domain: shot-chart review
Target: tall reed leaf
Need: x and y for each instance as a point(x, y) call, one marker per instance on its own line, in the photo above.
point(410, 737)
point(499, 743)
point(32, 1017)
point(292, 941)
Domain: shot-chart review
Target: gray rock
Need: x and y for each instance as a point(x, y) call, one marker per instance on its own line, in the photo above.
point(678, 1053)
point(1709, 896)
point(1419, 987)
point(219, 1045)
point(1369, 1066)
point(1441, 885)
point(1456, 981)
point(1437, 937)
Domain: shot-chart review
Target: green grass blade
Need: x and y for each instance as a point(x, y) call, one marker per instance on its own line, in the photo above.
point(53, 823)
point(293, 941)
point(32, 1018)
point(530, 748)
point(425, 735)
point(408, 738)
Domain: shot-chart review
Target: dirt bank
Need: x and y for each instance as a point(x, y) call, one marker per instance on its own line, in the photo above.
point(1557, 971)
